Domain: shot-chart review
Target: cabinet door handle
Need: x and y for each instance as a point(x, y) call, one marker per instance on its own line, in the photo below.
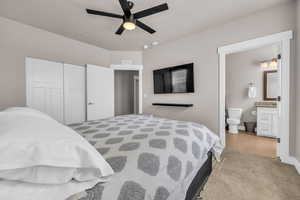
point(279, 98)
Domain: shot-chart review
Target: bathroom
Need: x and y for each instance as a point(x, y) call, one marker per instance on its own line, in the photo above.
point(253, 88)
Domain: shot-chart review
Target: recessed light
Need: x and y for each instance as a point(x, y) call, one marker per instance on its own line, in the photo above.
point(146, 46)
point(154, 43)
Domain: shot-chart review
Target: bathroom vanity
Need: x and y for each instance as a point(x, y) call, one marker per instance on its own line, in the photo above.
point(267, 119)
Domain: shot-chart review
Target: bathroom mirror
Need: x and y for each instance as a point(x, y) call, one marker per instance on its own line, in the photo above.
point(271, 85)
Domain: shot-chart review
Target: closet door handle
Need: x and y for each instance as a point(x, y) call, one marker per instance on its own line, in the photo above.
point(91, 103)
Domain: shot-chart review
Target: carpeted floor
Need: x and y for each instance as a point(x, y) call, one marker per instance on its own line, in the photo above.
point(244, 176)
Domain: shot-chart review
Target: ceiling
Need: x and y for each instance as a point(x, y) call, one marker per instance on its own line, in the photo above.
point(68, 18)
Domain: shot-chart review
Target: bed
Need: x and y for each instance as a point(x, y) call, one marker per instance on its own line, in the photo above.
point(153, 158)
point(43, 159)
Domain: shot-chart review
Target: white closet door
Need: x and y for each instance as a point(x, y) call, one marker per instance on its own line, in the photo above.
point(74, 94)
point(100, 92)
point(44, 83)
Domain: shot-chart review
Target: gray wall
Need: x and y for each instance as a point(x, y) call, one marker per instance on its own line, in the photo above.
point(18, 41)
point(201, 48)
point(136, 57)
point(124, 92)
point(244, 68)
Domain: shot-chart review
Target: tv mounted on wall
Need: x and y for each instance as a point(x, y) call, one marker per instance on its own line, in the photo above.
point(179, 79)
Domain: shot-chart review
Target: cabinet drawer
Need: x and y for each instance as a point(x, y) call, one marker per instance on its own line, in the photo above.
point(267, 122)
point(264, 129)
point(263, 133)
point(264, 126)
point(265, 117)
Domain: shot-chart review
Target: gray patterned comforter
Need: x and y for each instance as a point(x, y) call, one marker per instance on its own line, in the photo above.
point(153, 158)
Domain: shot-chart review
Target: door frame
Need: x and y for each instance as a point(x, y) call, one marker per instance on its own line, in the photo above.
point(284, 39)
point(138, 68)
point(135, 79)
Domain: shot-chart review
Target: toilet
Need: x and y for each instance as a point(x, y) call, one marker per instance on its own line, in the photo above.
point(234, 119)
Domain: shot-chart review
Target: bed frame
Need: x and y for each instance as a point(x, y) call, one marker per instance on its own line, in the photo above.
point(201, 178)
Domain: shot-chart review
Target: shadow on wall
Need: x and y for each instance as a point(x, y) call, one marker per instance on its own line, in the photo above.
point(249, 115)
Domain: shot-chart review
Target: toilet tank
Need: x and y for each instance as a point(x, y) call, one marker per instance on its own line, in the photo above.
point(235, 113)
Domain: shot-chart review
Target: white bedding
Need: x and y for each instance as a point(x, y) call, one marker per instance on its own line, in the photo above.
point(153, 158)
point(14, 190)
point(41, 157)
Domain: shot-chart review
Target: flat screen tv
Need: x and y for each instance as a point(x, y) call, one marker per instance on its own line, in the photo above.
point(179, 79)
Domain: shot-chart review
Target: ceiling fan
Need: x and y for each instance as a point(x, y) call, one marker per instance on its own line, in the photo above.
point(130, 20)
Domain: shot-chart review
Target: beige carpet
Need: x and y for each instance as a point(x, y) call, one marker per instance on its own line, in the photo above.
point(244, 176)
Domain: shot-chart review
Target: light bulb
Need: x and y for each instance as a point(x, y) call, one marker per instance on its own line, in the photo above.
point(273, 63)
point(264, 64)
point(129, 26)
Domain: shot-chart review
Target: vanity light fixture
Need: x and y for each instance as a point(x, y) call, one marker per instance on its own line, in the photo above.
point(264, 64)
point(269, 63)
point(273, 63)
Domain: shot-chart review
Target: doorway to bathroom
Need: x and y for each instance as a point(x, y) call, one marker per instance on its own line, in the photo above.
point(251, 100)
point(266, 122)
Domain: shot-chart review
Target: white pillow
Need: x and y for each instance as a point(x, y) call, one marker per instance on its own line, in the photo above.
point(15, 190)
point(27, 111)
point(35, 148)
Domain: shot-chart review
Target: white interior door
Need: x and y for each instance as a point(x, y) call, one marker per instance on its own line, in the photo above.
point(100, 92)
point(74, 94)
point(44, 87)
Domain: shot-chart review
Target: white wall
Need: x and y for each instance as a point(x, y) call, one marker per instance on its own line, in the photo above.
point(244, 68)
point(201, 48)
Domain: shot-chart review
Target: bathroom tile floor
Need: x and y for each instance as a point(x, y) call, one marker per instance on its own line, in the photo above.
point(247, 143)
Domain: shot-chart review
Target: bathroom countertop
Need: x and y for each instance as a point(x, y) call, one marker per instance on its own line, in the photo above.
point(266, 104)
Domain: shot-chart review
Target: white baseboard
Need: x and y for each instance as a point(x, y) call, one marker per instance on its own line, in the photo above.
point(292, 161)
point(287, 160)
point(297, 165)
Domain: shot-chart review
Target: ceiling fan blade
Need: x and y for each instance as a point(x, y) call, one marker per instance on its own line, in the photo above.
point(145, 27)
point(125, 7)
point(120, 30)
point(96, 12)
point(151, 11)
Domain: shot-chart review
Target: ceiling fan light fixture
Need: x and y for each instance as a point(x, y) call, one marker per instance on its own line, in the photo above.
point(129, 25)
point(131, 20)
